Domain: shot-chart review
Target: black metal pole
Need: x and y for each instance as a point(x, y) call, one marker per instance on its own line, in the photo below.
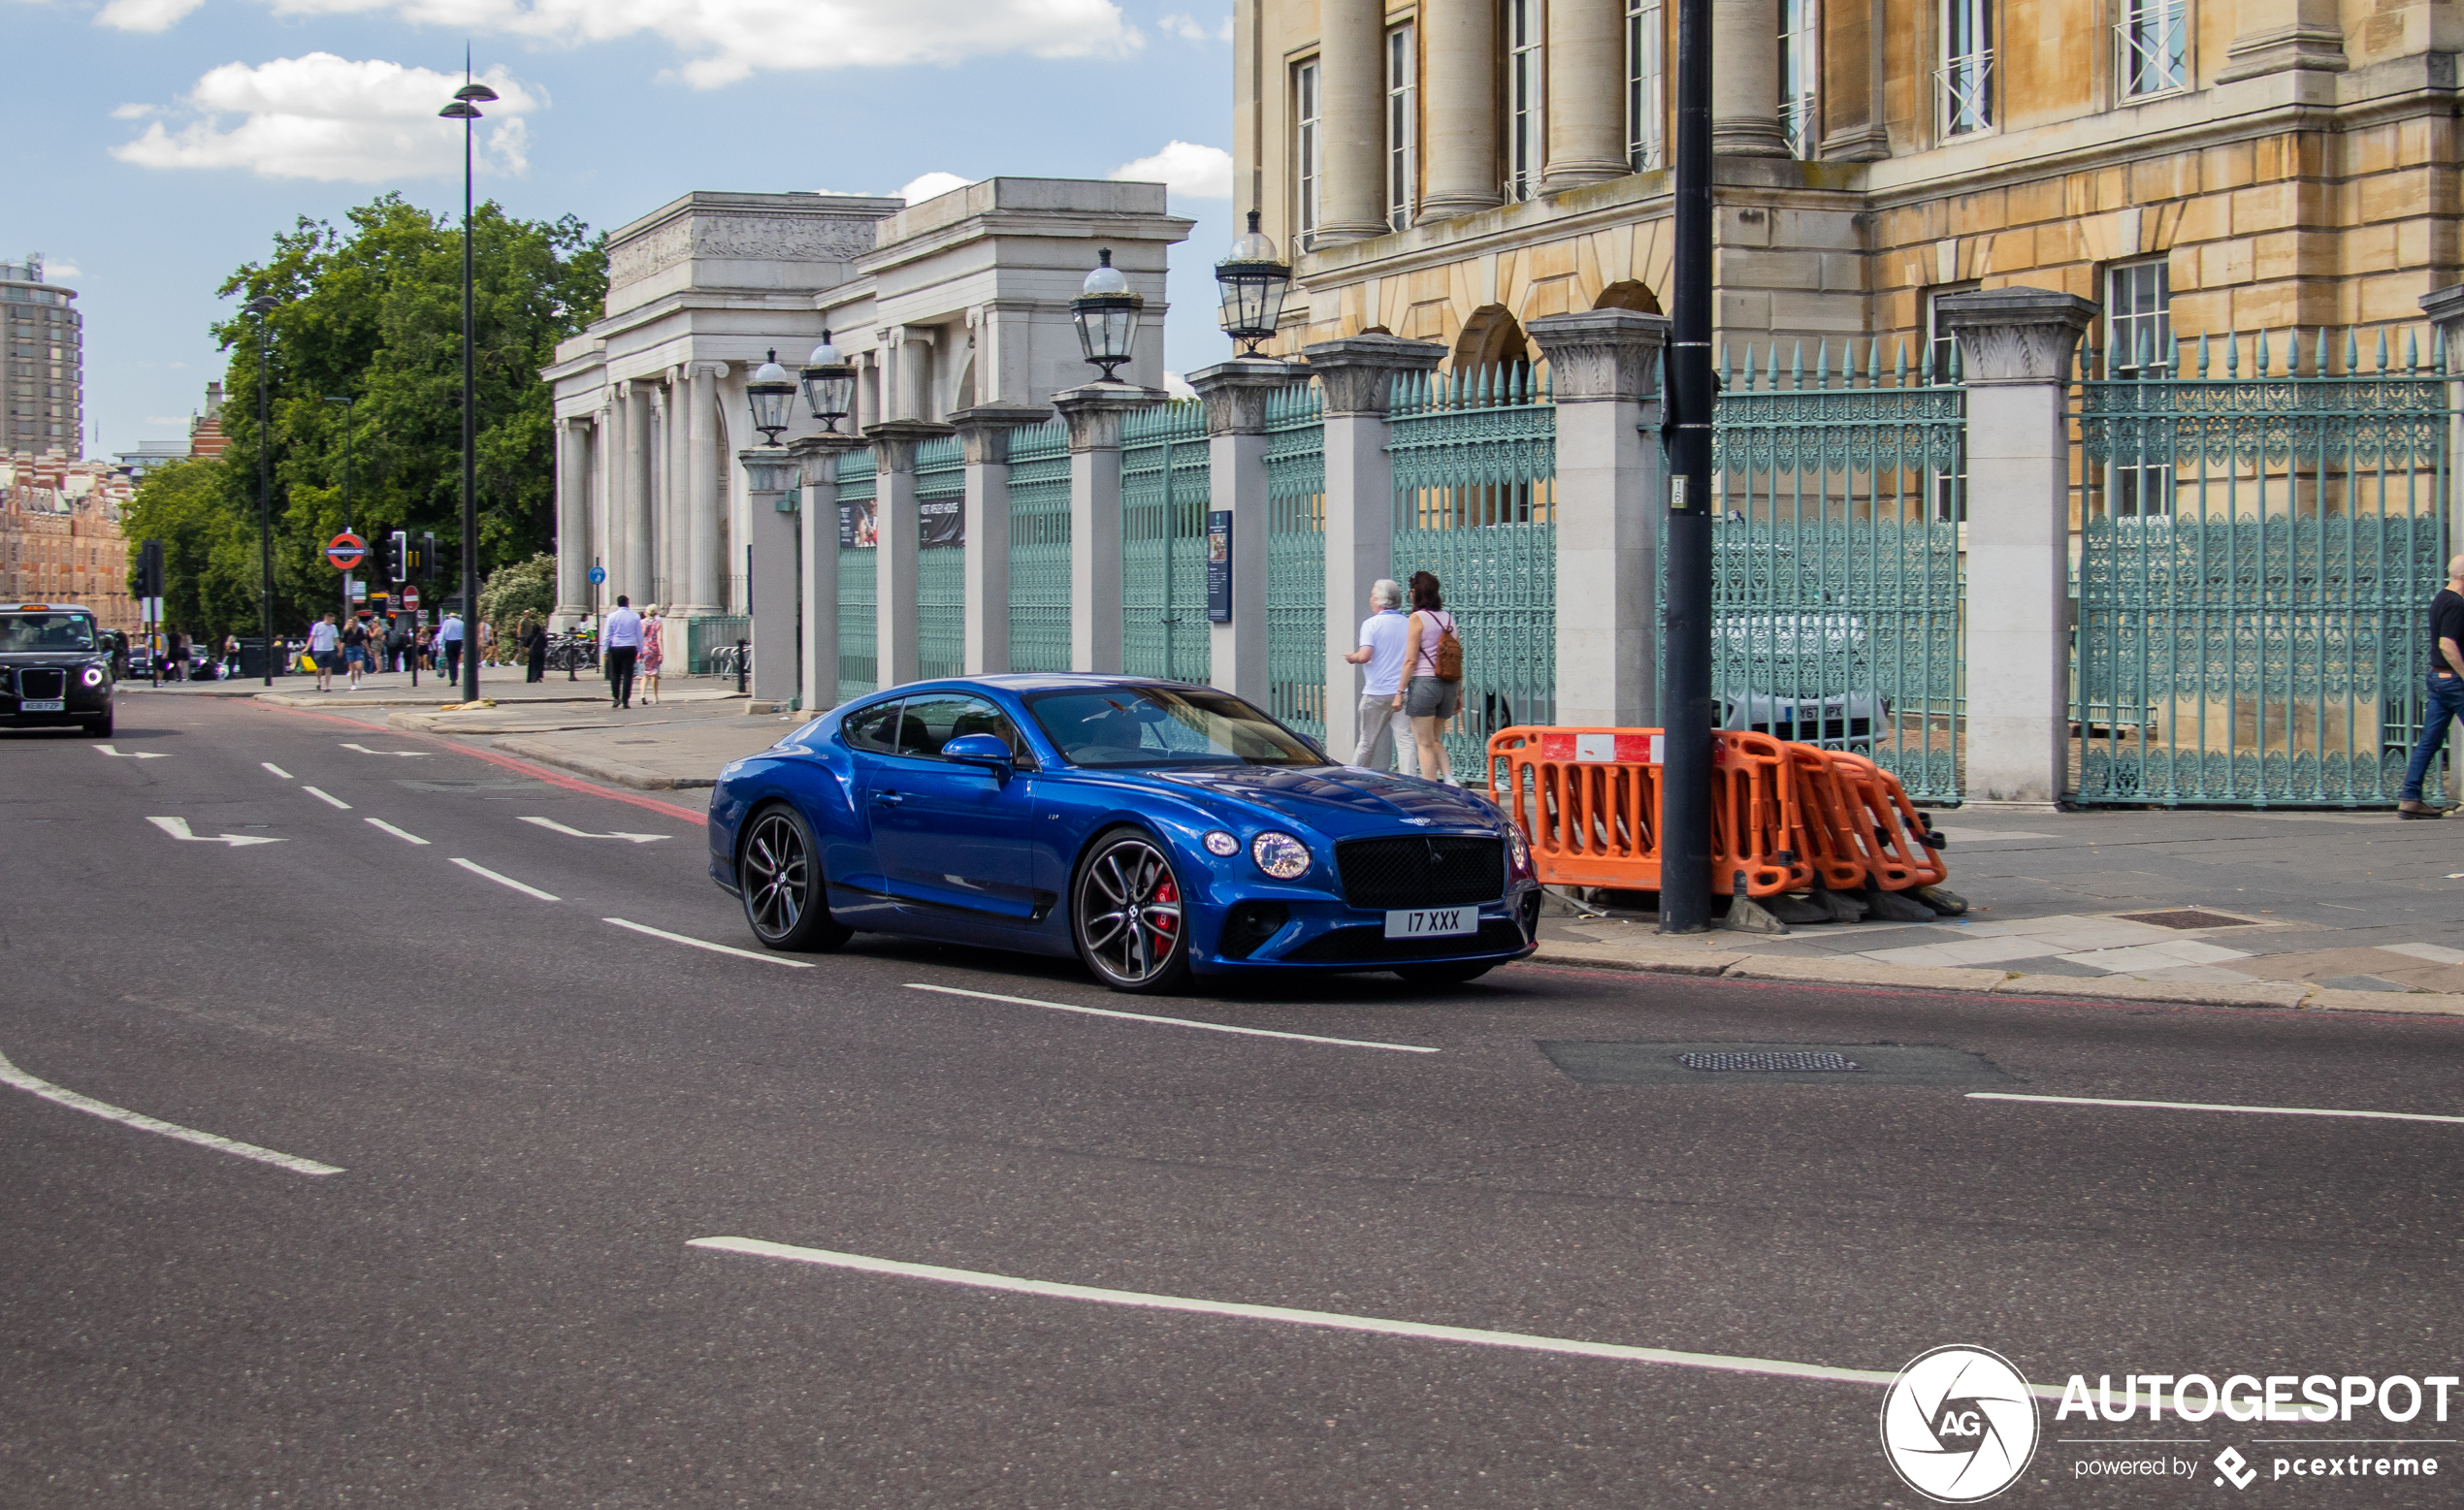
point(469, 457)
point(265, 505)
point(1685, 618)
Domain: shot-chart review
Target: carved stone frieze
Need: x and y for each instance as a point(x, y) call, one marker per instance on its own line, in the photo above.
point(1235, 392)
point(1601, 355)
point(745, 238)
point(984, 431)
point(1358, 373)
point(1093, 412)
point(2015, 335)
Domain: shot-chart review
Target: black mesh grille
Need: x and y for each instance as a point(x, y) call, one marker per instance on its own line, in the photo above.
point(1421, 870)
point(1366, 946)
point(42, 682)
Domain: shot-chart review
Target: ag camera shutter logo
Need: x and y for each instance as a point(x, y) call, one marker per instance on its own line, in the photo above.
point(1958, 1425)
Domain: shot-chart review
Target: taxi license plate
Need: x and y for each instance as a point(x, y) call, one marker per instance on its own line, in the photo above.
point(44, 705)
point(1429, 923)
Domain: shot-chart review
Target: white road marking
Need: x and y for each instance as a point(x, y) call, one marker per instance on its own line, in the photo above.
point(276, 769)
point(1177, 1022)
point(403, 834)
point(552, 824)
point(131, 755)
point(177, 829)
point(508, 881)
point(706, 944)
point(412, 754)
point(12, 1076)
point(322, 795)
point(2210, 1105)
point(1337, 1320)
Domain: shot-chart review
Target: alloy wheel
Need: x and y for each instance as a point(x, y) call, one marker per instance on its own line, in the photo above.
point(777, 873)
point(1130, 914)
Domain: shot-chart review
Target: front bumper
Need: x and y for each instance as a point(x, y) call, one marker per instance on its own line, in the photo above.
point(1329, 936)
point(80, 703)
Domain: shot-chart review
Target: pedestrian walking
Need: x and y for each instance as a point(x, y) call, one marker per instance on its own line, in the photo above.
point(654, 651)
point(1385, 733)
point(1434, 690)
point(2445, 702)
point(355, 638)
point(230, 655)
point(449, 638)
point(325, 651)
point(534, 643)
point(487, 643)
point(175, 656)
point(624, 644)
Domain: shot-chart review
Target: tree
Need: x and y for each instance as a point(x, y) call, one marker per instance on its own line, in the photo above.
point(524, 587)
point(373, 311)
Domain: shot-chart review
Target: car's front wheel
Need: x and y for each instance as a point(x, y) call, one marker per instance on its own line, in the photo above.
point(100, 728)
point(779, 871)
point(1127, 916)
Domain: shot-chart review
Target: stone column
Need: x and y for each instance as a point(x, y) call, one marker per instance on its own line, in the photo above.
point(2016, 346)
point(634, 510)
point(898, 522)
point(1458, 108)
point(983, 439)
point(2285, 35)
point(1235, 394)
point(1586, 101)
point(2446, 309)
point(573, 520)
point(770, 520)
point(674, 513)
point(1357, 376)
point(818, 549)
point(1351, 75)
point(1094, 413)
point(1604, 367)
point(1745, 80)
point(705, 584)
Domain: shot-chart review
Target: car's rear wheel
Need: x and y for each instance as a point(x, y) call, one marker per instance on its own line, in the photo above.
point(1452, 973)
point(779, 872)
point(1126, 915)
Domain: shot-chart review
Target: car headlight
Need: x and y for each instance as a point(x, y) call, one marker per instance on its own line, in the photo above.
point(93, 676)
point(1280, 855)
point(1217, 842)
point(1519, 850)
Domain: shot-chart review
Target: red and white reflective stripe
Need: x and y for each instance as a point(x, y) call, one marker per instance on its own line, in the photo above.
point(1608, 748)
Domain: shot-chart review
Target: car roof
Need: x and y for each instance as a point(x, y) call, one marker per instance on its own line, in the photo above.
point(1016, 681)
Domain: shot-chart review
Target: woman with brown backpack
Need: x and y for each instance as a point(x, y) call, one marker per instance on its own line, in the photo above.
point(1432, 688)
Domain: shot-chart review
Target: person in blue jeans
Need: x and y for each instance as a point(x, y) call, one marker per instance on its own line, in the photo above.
point(2445, 688)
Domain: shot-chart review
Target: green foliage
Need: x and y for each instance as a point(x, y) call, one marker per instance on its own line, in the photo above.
point(510, 591)
point(373, 312)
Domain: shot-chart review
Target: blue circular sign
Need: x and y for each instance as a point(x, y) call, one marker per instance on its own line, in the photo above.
point(599, 575)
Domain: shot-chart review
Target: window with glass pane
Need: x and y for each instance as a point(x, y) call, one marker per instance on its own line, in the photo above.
point(1646, 102)
point(2139, 344)
point(1948, 488)
point(1526, 147)
point(1306, 151)
point(1800, 57)
point(1403, 126)
point(2155, 46)
point(1967, 80)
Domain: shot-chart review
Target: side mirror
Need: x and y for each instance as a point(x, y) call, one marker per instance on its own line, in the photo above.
point(988, 751)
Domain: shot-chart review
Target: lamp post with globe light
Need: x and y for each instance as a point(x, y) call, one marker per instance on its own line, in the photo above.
point(1253, 282)
point(466, 108)
point(1106, 313)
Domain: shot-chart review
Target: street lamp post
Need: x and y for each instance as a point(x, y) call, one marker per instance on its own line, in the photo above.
point(1685, 793)
point(465, 108)
point(261, 306)
point(1106, 312)
point(350, 409)
point(830, 384)
point(1254, 284)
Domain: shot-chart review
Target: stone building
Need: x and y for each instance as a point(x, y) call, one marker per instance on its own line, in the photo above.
point(60, 535)
point(42, 361)
point(1451, 170)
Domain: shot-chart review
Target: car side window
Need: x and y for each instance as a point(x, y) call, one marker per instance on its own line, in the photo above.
point(875, 729)
point(926, 724)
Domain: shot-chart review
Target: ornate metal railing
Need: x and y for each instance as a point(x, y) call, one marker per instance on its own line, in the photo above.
point(1475, 457)
point(941, 558)
point(1164, 482)
point(1039, 547)
point(1836, 557)
point(1296, 559)
point(858, 592)
point(2262, 533)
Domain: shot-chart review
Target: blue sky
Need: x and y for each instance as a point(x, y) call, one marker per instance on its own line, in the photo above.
point(163, 143)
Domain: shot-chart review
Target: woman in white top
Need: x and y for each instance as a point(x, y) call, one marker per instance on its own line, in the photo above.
point(1426, 699)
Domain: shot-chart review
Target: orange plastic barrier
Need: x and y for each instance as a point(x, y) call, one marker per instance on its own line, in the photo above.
point(1897, 861)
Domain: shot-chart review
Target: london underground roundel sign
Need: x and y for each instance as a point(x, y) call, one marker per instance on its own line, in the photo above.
point(345, 550)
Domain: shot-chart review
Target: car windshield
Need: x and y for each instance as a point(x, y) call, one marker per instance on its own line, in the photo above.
point(22, 633)
point(1120, 727)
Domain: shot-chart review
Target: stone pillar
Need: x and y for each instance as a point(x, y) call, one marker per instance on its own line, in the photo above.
point(1745, 80)
point(1357, 376)
point(770, 520)
point(897, 523)
point(2016, 348)
point(983, 439)
point(1235, 394)
point(1094, 413)
point(1458, 110)
point(635, 505)
point(1604, 369)
point(1586, 101)
point(2285, 35)
point(818, 550)
point(573, 520)
point(674, 513)
point(704, 585)
point(1351, 73)
point(2446, 309)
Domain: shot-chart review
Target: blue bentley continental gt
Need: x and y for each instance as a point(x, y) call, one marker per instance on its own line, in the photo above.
point(1153, 829)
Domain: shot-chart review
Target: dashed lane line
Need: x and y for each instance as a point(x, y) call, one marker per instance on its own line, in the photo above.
point(1177, 1022)
point(11, 1075)
point(276, 769)
point(403, 834)
point(2211, 1106)
point(706, 944)
point(506, 881)
point(322, 795)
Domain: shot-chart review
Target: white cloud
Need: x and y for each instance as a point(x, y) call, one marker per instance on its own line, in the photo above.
point(1185, 167)
point(57, 267)
point(144, 14)
point(931, 185)
point(723, 41)
point(131, 111)
point(1190, 29)
point(327, 118)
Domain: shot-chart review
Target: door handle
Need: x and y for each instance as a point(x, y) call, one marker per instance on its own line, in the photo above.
point(889, 799)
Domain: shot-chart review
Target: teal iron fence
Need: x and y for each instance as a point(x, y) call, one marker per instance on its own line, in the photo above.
point(1039, 547)
point(1164, 483)
point(1474, 457)
point(941, 558)
point(858, 590)
point(1296, 559)
point(2261, 536)
point(711, 643)
point(1835, 558)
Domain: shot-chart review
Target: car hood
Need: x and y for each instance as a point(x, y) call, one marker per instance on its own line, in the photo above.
point(44, 658)
point(1339, 800)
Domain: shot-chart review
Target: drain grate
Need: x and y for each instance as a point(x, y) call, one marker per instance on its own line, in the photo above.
point(2186, 918)
point(1769, 1062)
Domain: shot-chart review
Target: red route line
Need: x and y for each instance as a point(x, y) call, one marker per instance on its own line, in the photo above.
point(536, 771)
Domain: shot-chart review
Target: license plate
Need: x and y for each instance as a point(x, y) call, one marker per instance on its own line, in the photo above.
point(42, 705)
point(1429, 923)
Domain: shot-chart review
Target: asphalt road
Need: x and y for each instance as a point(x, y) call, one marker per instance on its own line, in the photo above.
point(535, 1113)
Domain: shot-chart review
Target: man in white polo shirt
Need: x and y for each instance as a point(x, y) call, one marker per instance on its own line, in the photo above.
point(624, 646)
point(1383, 639)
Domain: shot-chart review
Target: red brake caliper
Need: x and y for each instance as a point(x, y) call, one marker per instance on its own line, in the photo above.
point(1165, 891)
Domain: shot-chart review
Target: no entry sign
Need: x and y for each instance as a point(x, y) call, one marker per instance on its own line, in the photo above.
point(345, 550)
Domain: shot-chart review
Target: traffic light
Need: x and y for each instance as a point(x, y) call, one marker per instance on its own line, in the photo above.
point(397, 551)
point(149, 569)
point(427, 555)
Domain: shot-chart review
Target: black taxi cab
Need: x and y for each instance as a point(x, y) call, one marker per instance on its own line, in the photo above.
point(54, 667)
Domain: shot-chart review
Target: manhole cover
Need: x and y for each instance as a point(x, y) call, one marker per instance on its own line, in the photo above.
point(2187, 917)
point(1814, 1060)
